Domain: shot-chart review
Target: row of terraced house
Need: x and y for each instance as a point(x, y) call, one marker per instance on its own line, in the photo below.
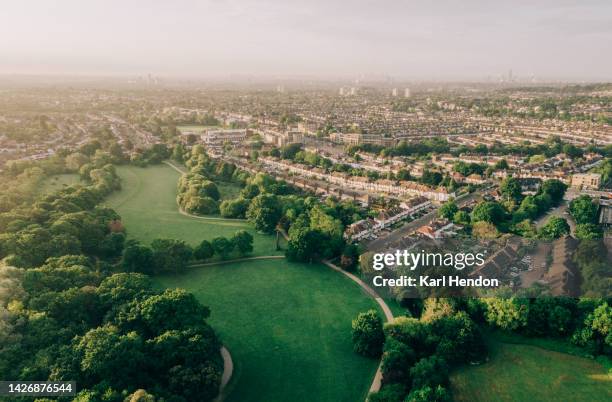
point(400, 188)
point(367, 227)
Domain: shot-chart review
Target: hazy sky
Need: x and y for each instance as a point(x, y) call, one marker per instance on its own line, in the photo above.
point(405, 39)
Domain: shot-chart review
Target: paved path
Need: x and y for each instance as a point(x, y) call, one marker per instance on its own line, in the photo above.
point(559, 211)
point(206, 218)
point(173, 166)
point(228, 364)
point(377, 380)
point(259, 257)
point(228, 369)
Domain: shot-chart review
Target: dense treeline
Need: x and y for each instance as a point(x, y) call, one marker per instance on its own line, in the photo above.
point(66, 311)
point(513, 213)
point(170, 255)
point(66, 222)
point(419, 353)
point(585, 322)
point(314, 228)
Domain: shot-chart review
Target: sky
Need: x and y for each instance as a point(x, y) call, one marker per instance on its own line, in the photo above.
point(434, 40)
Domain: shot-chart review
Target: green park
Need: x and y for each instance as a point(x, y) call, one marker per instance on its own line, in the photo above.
point(520, 372)
point(286, 325)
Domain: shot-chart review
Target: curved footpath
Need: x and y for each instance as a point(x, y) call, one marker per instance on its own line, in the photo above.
point(377, 381)
point(206, 218)
point(228, 369)
point(228, 365)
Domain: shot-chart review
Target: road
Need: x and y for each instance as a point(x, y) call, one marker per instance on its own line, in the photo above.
point(561, 212)
point(382, 243)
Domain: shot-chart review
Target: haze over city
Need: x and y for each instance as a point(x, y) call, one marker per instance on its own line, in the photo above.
point(476, 40)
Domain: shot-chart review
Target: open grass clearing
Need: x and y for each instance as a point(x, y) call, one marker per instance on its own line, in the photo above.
point(288, 328)
point(517, 372)
point(147, 205)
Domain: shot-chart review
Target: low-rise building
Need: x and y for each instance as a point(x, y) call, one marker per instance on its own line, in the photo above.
point(586, 181)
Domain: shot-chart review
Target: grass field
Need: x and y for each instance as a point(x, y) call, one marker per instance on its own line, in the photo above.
point(287, 325)
point(147, 205)
point(288, 329)
point(528, 373)
point(58, 182)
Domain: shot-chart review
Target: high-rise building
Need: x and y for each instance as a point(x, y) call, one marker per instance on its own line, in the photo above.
point(394, 92)
point(407, 93)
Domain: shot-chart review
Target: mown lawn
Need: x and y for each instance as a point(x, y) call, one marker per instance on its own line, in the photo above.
point(519, 373)
point(287, 327)
point(147, 205)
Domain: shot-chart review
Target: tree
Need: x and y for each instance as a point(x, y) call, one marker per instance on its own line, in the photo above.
point(290, 150)
point(431, 178)
point(507, 313)
point(250, 191)
point(510, 188)
point(396, 361)
point(583, 209)
point(527, 210)
point(588, 231)
point(305, 244)
point(543, 202)
point(448, 210)
point(243, 241)
point(459, 339)
point(264, 212)
point(235, 208)
point(170, 255)
point(526, 229)
point(429, 371)
point(429, 394)
point(178, 153)
point(174, 309)
point(388, 393)
point(596, 332)
point(554, 188)
point(138, 258)
point(201, 205)
point(349, 257)
point(209, 189)
point(403, 174)
point(461, 218)
point(222, 246)
point(140, 395)
point(488, 211)
point(554, 228)
point(121, 288)
point(368, 335)
point(203, 251)
point(502, 164)
point(325, 223)
point(107, 355)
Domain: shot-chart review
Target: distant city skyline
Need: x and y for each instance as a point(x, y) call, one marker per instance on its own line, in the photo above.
point(445, 41)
